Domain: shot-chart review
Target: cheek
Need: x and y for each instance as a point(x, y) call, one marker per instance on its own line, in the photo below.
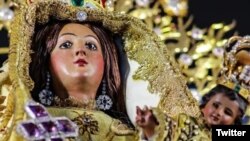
point(57, 62)
point(228, 120)
point(207, 110)
point(99, 64)
point(95, 68)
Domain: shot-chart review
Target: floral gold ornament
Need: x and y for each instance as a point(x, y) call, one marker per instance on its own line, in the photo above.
point(87, 123)
point(205, 48)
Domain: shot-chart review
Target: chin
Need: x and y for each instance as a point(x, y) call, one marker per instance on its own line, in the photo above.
point(79, 75)
point(215, 123)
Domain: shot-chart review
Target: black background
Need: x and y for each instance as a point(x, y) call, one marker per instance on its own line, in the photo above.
point(205, 13)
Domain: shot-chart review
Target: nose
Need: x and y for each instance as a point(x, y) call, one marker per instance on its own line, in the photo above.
point(80, 52)
point(219, 112)
point(79, 49)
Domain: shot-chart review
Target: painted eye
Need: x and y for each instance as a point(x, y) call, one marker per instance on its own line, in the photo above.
point(216, 105)
point(91, 46)
point(66, 45)
point(228, 112)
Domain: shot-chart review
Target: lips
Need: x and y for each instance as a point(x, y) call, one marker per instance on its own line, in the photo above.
point(215, 118)
point(81, 62)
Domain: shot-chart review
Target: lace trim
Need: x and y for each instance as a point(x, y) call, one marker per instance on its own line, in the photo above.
point(73, 102)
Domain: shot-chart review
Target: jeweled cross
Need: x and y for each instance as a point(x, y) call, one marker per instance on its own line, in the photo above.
point(43, 127)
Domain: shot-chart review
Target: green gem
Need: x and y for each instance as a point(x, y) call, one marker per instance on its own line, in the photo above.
point(237, 88)
point(77, 2)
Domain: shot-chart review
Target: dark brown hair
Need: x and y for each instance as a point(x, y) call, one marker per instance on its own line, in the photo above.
point(45, 39)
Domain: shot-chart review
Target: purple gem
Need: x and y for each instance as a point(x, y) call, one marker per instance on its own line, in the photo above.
point(32, 129)
point(50, 127)
point(65, 126)
point(37, 111)
point(56, 139)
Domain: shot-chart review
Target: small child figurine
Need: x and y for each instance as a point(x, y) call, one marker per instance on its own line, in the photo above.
point(220, 106)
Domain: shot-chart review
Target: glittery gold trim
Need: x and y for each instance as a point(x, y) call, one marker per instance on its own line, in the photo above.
point(73, 102)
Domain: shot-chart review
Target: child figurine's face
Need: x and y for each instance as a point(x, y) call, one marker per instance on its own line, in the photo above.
point(77, 55)
point(220, 110)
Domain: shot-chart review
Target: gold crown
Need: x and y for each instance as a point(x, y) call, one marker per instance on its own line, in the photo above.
point(235, 73)
point(237, 88)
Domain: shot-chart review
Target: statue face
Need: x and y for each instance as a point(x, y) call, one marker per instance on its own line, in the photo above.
point(220, 110)
point(77, 56)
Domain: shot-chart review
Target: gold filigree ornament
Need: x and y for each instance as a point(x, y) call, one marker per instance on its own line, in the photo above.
point(154, 78)
point(86, 123)
point(199, 52)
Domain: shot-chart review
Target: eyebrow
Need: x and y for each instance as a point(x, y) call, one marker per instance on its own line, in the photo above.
point(217, 102)
point(75, 35)
point(67, 34)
